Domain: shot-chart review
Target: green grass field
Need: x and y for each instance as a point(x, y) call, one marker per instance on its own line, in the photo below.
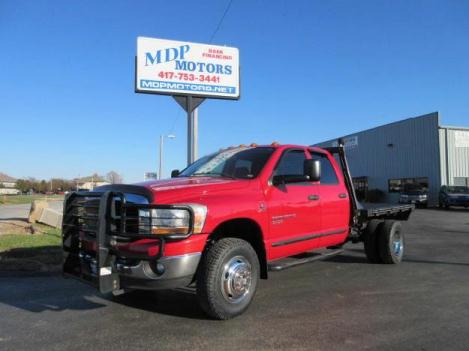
point(41, 251)
point(26, 199)
point(16, 241)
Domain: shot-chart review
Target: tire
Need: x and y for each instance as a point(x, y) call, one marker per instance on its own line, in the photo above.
point(370, 241)
point(391, 242)
point(229, 262)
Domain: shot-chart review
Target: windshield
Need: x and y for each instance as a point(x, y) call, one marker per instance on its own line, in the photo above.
point(458, 189)
point(239, 163)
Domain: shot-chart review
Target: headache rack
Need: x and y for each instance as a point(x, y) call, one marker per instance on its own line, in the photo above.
point(362, 215)
point(95, 226)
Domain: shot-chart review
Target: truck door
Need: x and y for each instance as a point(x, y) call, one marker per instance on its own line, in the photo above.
point(335, 202)
point(294, 209)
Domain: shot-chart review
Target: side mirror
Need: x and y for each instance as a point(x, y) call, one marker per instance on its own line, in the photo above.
point(312, 170)
point(174, 173)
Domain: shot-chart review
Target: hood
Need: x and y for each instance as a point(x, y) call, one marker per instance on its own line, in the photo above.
point(188, 188)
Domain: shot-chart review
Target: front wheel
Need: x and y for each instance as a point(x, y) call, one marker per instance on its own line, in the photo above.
point(227, 278)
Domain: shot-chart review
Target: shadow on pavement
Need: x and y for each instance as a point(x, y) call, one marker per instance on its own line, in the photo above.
point(436, 262)
point(344, 258)
point(450, 209)
point(180, 303)
point(39, 299)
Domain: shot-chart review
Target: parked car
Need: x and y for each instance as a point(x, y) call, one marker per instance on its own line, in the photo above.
point(223, 223)
point(414, 194)
point(454, 196)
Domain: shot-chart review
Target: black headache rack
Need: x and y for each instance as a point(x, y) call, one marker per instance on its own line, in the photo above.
point(361, 215)
point(96, 223)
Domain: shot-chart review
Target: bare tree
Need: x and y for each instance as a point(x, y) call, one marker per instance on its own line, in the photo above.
point(114, 177)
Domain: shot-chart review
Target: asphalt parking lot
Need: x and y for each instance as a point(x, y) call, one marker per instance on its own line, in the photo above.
point(340, 304)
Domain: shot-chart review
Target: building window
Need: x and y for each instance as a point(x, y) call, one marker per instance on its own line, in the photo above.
point(400, 184)
point(361, 187)
point(461, 181)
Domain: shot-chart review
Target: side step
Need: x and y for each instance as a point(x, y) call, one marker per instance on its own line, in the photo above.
point(288, 262)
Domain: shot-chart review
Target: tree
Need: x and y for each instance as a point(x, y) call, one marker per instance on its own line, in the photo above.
point(114, 177)
point(23, 185)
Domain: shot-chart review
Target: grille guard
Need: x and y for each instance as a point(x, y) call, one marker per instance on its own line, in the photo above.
point(106, 219)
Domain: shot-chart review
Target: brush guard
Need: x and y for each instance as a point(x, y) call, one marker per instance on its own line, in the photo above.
point(95, 224)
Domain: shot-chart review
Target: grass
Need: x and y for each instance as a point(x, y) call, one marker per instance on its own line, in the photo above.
point(17, 241)
point(26, 199)
point(31, 252)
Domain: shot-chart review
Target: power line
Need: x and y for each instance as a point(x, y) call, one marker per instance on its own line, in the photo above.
point(221, 21)
point(228, 6)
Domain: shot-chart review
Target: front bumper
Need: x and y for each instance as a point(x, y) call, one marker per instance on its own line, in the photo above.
point(458, 202)
point(97, 244)
point(165, 273)
point(415, 201)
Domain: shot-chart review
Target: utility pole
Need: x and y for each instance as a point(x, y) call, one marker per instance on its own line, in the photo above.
point(162, 136)
point(160, 169)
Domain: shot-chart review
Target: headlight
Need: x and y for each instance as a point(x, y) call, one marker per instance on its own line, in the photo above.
point(169, 221)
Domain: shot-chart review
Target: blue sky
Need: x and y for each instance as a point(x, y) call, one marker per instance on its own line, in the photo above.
point(310, 71)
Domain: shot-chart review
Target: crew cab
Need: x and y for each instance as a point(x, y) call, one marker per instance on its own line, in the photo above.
point(226, 221)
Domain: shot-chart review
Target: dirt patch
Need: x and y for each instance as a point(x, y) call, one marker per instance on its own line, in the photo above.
point(16, 227)
point(28, 248)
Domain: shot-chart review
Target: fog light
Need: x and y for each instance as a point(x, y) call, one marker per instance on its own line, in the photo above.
point(160, 268)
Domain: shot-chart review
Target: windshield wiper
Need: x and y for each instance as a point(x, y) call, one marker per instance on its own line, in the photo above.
point(208, 174)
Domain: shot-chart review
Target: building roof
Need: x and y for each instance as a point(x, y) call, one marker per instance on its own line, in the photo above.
point(91, 178)
point(4, 178)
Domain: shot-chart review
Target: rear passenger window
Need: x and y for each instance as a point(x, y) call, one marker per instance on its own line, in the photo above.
point(328, 175)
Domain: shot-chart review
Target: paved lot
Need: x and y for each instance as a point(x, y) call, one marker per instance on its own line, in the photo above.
point(340, 304)
point(22, 211)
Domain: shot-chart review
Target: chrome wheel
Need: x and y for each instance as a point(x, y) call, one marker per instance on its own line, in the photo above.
point(236, 279)
point(397, 243)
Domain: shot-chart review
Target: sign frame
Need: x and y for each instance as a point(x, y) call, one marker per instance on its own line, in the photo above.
point(188, 93)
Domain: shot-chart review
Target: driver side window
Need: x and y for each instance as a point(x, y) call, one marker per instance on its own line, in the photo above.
point(291, 163)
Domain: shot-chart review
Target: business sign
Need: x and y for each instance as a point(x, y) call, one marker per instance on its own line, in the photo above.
point(150, 175)
point(461, 138)
point(183, 68)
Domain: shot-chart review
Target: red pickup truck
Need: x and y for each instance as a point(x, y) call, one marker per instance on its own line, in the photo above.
point(223, 223)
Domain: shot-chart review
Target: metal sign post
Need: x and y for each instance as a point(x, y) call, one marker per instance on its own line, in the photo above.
point(190, 104)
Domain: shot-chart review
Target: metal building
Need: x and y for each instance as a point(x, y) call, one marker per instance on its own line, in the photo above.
point(412, 151)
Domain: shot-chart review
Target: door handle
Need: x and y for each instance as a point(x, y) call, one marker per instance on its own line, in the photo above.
point(313, 197)
point(342, 196)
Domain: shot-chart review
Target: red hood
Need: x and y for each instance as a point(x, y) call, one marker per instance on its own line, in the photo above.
point(188, 188)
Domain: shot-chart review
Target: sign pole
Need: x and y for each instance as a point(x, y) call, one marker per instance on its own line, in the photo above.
point(190, 131)
point(195, 135)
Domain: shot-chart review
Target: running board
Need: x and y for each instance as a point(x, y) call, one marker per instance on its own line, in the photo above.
point(288, 262)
